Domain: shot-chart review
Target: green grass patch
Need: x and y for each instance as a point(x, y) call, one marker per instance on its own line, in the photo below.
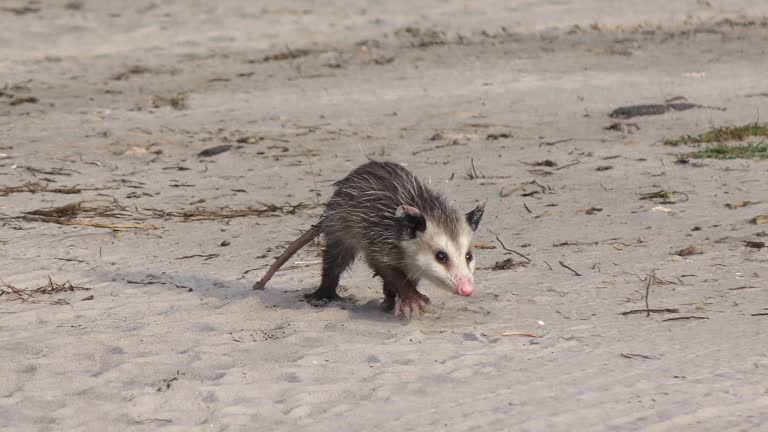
point(663, 196)
point(721, 135)
point(723, 151)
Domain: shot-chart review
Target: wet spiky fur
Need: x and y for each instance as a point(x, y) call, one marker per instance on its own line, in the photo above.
point(361, 214)
point(361, 219)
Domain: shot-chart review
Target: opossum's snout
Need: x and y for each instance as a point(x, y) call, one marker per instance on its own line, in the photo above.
point(465, 287)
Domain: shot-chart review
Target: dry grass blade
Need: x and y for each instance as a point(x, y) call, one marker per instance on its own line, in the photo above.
point(19, 293)
point(179, 102)
point(60, 221)
point(54, 288)
point(35, 187)
point(204, 214)
point(63, 211)
point(688, 251)
point(473, 174)
point(288, 54)
point(65, 215)
point(508, 264)
point(741, 204)
point(73, 214)
point(94, 208)
point(484, 246)
point(30, 295)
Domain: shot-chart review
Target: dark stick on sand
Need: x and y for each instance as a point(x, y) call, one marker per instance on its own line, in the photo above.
point(569, 268)
point(510, 250)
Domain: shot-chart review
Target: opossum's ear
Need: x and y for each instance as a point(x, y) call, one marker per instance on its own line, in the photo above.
point(412, 219)
point(474, 217)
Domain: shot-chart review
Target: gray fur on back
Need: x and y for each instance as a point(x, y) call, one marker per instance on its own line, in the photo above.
point(361, 213)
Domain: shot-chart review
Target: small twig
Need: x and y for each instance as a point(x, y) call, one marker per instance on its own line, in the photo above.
point(513, 251)
point(570, 243)
point(69, 259)
point(510, 192)
point(154, 419)
point(651, 279)
point(686, 318)
point(526, 207)
point(760, 314)
point(544, 188)
point(639, 311)
point(472, 174)
point(156, 283)
point(450, 144)
point(569, 165)
point(145, 282)
point(569, 268)
point(550, 267)
point(521, 334)
point(634, 356)
point(207, 257)
point(253, 269)
point(551, 143)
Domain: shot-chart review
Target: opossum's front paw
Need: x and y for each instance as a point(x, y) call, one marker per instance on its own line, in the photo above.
point(411, 306)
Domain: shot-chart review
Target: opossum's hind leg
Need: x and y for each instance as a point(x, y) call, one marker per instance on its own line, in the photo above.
point(390, 295)
point(336, 259)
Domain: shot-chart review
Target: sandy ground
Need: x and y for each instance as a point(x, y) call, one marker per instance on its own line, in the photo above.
point(170, 336)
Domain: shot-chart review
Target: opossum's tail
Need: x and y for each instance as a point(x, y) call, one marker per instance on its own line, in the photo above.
point(287, 254)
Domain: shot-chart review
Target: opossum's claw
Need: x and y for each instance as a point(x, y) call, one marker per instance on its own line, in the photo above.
point(412, 306)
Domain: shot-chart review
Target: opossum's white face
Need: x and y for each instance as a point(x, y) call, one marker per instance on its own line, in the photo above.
point(444, 259)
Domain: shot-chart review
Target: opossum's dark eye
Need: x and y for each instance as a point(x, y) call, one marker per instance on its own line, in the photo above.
point(469, 256)
point(441, 257)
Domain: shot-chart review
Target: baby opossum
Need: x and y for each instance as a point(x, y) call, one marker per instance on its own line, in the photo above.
point(405, 231)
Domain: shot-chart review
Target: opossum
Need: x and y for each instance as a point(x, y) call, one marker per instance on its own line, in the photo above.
point(405, 231)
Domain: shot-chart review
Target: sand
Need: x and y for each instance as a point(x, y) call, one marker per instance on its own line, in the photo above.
point(119, 100)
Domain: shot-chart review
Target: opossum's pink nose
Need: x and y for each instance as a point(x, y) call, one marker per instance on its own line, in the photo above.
point(465, 287)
